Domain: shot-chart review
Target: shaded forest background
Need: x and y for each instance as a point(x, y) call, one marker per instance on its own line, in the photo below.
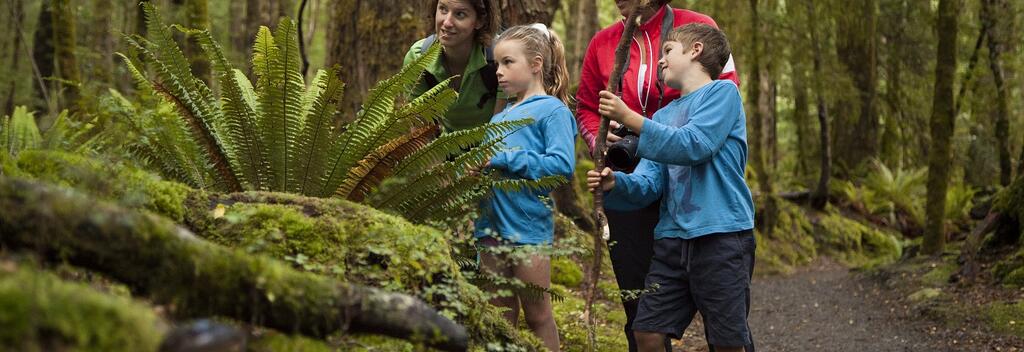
point(867, 69)
point(897, 124)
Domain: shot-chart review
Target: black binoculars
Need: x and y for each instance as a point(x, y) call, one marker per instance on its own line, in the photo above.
point(622, 154)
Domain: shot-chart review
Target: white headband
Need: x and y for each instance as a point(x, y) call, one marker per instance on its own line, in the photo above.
point(541, 27)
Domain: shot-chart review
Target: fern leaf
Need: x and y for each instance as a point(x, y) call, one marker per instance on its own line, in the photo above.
point(21, 131)
point(401, 199)
point(377, 166)
point(359, 137)
point(454, 143)
point(281, 104)
point(317, 136)
point(241, 132)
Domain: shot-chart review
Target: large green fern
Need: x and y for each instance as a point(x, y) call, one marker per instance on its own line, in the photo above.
point(279, 135)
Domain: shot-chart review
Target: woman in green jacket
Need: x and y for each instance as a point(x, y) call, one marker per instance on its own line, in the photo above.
point(464, 30)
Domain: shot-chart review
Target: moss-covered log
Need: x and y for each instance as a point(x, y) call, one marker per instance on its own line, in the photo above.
point(39, 312)
point(166, 262)
point(347, 241)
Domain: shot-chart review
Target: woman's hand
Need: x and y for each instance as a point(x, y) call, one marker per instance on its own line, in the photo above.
point(606, 179)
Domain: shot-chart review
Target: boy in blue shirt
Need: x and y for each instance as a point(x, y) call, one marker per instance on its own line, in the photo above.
point(694, 154)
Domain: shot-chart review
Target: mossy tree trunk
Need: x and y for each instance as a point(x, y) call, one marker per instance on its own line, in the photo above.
point(992, 22)
point(167, 263)
point(942, 123)
point(583, 15)
point(819, 197)
point(197, 15)
point(17, 17)
point(857, 50)
point(65, 45)
point(42, 54)
point(759, 89)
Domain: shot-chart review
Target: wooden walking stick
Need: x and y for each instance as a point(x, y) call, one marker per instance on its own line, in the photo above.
point(601, 232)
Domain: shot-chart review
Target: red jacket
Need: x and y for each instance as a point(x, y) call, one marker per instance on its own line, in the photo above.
point(600, 57)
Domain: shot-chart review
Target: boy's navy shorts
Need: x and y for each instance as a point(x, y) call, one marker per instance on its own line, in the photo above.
point(710, 274)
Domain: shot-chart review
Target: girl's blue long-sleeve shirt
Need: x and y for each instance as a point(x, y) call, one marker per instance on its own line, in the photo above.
point(544, 148)
point(694, 154)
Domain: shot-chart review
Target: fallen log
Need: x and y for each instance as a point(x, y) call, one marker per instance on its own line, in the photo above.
point(158, 259)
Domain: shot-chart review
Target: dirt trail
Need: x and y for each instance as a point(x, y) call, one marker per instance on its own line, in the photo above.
point(825, 307)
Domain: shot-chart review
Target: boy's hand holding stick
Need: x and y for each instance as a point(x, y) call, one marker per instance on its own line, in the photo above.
point(600, 146)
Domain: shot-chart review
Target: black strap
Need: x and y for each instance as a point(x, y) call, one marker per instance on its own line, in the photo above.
point(488, 73)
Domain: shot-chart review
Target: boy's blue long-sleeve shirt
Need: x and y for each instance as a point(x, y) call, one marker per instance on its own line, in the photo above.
point(694, 154)
point(544, 148)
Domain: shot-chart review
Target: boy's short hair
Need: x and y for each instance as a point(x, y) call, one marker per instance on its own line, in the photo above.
point(716, 46)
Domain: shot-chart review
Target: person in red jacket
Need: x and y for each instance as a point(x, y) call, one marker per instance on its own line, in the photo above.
point(631, 245)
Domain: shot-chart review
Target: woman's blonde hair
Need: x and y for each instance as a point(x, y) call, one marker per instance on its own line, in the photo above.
point(538, 40)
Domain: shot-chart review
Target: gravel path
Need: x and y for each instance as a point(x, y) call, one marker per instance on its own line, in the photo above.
point(824, 307)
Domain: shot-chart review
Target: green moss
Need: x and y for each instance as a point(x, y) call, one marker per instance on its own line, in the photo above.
point(565, 272)
point(791, 244)
point(358, 244)
point(1009, 201)
point(127, 186)
point(1006, 317)
point(939, 274)
point(854, 243)
point(272, 341)
point(572, 327)
point(39, 312)
point(924, 294)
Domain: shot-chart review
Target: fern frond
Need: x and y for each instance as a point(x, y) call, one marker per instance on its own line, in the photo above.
point(192, 110)
point(520, 185)
point(453, 143)
point(464, 191)
point(239, 125)
point(281, 104)
point(162, 142)
point(262, 53)
point(359, 137)
point(378, 165)
point(402, 198)
point(21, 132)
point(314, 145)
point(212, 146)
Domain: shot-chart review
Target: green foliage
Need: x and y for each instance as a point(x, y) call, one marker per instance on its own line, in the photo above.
point(19, 132)
point(279, 135)
point(896, 191)
point(855, 243)
point(38, 311)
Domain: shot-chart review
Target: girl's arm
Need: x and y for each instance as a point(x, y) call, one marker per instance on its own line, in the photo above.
point(558, 157)
point(701, 137)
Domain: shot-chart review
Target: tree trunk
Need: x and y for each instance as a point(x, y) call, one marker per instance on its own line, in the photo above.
point(197, 15)
point(64, 33)
point(104, 40)
point(369, 39)
point(17, 17)
point(240, 36)
point(819, 198)
point(857, 50)
point(516, 12)
point(942, 124)
point(586, 25)
point(995, 31)
point(42, 54)
point(760, 149)
point(167, 263)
